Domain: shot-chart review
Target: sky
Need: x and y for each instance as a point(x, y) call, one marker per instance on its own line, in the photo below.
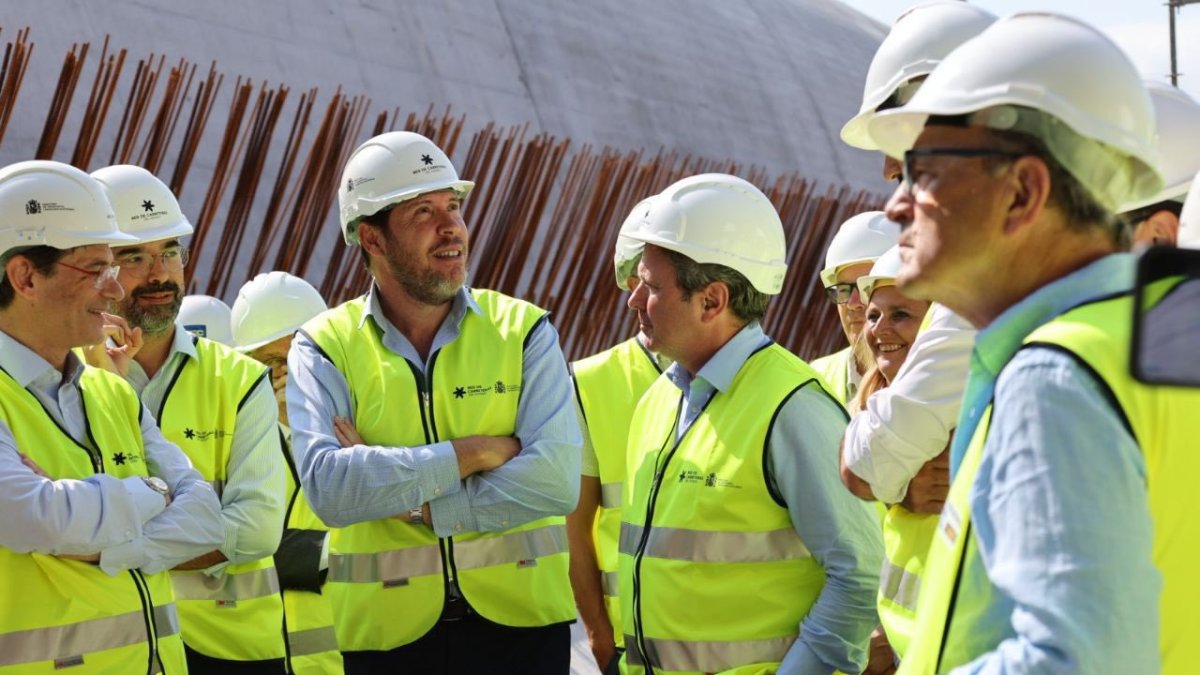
point(1140, 27)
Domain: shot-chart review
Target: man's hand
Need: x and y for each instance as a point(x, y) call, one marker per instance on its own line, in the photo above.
point(928, 489)
point(484, 453)
point(346, 434)
point(880, 659)
point(116, 359)
point(33, 466)
point(603, 647)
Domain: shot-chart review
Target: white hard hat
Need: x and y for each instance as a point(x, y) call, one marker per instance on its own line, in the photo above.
point(1053, 78)
point(1177, 119)
point(145, 207)
point(861, 239)
point(1189, 218)
point(207, 317)
point(389, 169)
point(917, 42)
point(628, 252)
point(720, 219)
point(45, 203)
point(270, 306)
point(883, 273)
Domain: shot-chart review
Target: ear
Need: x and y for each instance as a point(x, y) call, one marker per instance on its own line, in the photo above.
point(1160, 228)
point(1030, 182)
point(371, 239)
point(714, 300)
point(21, 274)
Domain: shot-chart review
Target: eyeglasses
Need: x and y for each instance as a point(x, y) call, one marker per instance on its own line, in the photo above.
point(109, 273)
point(140, 263)
point(909, 176)
point(839, 294)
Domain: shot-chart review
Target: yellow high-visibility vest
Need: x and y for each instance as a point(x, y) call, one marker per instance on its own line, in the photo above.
point(312, 640)
point(714, 577)
point(65, 614)
point(517, 577)
point(834, 370)
point(1163, 422)
point(237, 616)
point(609, 386)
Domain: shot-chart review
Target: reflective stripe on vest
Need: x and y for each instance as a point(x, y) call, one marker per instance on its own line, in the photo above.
point(906, 538)
point(393, 568)
point(199, 414)
point(378, 565)
point(77, 639)
point(62, 613)
point(313, 641)
point(707, 657)
point(610, 495)
point(707, 546)
point(747, 553)
point(609, 386)
point(226, 588)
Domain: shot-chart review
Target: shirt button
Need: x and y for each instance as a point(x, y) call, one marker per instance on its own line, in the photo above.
point(458, 526)
point(504, 522)
point(437, 490)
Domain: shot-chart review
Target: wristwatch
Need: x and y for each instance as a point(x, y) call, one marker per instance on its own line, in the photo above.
point(157, 484)
point(416, 516)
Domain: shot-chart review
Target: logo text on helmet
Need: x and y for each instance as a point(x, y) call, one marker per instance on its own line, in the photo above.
point(352, 183)
point(34, 207)
point(428, 166)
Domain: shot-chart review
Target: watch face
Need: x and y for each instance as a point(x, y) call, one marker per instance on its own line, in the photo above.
point(157, 484)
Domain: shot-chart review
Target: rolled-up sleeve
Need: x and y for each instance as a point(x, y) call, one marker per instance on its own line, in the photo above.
point(347, 485)
point(908, 423)
point(541, 481)
point(841, 531)
point(253, 500)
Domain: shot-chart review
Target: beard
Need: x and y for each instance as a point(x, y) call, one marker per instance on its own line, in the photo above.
point(426, 286)
point(155, 319)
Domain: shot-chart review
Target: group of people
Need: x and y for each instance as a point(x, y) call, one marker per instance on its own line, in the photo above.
point(416, 480)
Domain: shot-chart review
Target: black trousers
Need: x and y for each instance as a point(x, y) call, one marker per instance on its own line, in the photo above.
point(473, 646)
point(199, 664)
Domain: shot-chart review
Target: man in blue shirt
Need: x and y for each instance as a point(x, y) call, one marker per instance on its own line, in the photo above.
point(1043, 557)
point(739, 547)
point(433, 428)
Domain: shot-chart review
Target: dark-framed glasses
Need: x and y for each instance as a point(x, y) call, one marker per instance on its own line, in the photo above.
point(909, 176)
point(839, 294)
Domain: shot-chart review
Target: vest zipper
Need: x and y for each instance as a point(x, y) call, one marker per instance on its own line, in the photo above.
point(429, 425)
point(139, 582)
point(660, 466)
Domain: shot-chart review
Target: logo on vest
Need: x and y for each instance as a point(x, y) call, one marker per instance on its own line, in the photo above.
point(709, 480)
point(121, 459)
point(473, 390)
point(200, 435)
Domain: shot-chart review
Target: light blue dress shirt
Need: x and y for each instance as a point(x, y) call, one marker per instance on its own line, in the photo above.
point(253, 499)
point(369, 482)
point(122, 519)
point(841, 531)
point(1059, 507)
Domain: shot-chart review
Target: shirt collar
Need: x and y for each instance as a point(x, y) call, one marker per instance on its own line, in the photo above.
point(25, 365)
point(462, 302)
point(720, 370)
point(183, 342)
point(1109, 275)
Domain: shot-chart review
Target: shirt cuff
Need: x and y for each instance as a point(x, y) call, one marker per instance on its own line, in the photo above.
point(451, 515)
point(146, 501)
point(439, 475)
point(801, 660)
point(128, 556)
